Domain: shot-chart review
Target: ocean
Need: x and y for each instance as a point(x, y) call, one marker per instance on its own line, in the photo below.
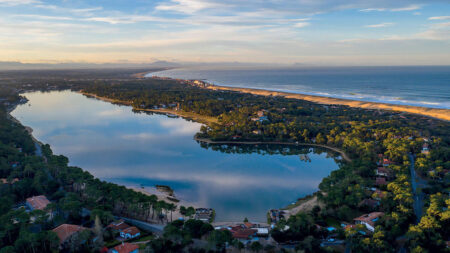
point(426, 86)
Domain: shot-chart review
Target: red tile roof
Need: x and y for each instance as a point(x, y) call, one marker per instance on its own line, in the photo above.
point(126, 247)
point(369, 218)
point(38, 202)
point(243, 233)
point(64, 231)
point(248, 224)
point(131, 230)
point(119, 225)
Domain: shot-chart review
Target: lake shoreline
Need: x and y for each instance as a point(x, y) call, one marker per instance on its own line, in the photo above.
point(208, 141)
point(186, 115)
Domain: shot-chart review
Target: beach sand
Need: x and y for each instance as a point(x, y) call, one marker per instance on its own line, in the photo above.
point(165, 197)
point(443, 114)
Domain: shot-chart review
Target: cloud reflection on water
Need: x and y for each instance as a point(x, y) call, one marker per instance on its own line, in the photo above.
point(117, 145)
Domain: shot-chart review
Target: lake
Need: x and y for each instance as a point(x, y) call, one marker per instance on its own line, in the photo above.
point(137, 149)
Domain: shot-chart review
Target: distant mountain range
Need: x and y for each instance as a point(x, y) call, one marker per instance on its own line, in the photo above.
point(12, 65)
point(34, 66)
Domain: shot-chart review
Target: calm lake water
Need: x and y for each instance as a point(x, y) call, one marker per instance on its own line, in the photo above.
point(117, 145)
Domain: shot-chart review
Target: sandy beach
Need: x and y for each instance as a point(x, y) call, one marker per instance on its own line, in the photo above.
point(443, 114)
point(165, 197)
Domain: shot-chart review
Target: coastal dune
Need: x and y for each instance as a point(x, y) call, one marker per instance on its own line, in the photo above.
point(443, 114)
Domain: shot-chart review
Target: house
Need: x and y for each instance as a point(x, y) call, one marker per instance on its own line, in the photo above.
point(369, 220)
point(204, 214)
point(380, 181)
point(118, 225)
point(37, 202)
point(65, 231)
point(242, 233)
point(129, 233)
point(125, 248)
point(383, 172)
point(425, 149)
point(6, 181)
point(263, 232)
point(351, 226)
point(260, 113)
point(386, 162)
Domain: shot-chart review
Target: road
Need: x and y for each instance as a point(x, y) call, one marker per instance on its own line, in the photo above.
point(418, 196)
point(155, 228)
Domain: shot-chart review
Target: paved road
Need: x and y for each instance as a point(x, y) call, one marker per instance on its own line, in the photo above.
point(155, 228)
point(418, 196)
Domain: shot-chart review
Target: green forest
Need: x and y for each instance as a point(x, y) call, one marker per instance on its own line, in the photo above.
point(397, 142)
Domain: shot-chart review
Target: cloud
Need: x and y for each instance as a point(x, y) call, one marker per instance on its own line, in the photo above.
point(439, 18)
point(412, 7)
point(188, 6)
point(301, 24)
point(140, 137)
point(17, 2)
point(379, 25)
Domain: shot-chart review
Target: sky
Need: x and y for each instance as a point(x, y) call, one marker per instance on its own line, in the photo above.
point(310, 32)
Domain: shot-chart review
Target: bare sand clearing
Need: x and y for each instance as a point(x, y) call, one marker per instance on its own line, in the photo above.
point(164, 196)
point(443, 114)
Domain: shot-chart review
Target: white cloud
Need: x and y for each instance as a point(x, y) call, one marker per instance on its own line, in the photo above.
point(188, 6)
point(302, 24)
point(17, 2)
point(379, 25)
point(439, 18)
point(412, 7)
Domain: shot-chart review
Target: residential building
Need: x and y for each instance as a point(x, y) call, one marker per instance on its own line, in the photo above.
point(118, 225)
point(369, 220)
point(6, 181)
point(125, 248)
point(37, 202)
point(129, 233)
point(386, 162)
point(243, 234)
point(383, 172)
point(65, 231)
point(204, 214)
